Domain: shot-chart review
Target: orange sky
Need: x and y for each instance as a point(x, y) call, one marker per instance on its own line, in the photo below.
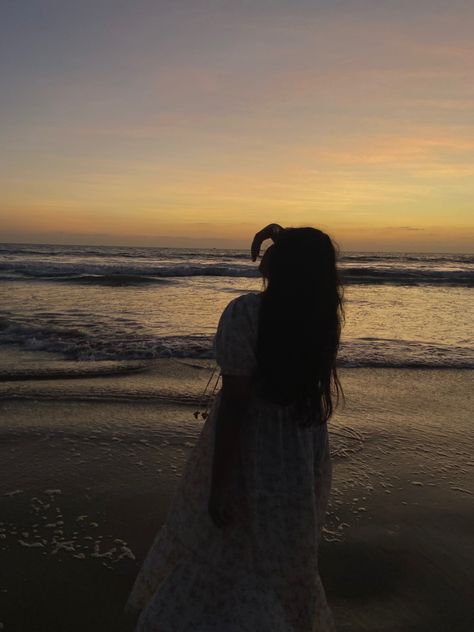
point(198, 122)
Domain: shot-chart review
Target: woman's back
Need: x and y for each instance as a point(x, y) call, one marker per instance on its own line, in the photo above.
point(284, 476)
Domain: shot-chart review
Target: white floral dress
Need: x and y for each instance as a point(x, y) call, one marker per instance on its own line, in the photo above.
point(260, 573)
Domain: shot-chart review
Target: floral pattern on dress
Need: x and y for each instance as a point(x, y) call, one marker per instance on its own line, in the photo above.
point(261, 572)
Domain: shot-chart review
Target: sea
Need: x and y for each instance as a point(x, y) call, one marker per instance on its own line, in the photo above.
point(107, 368)
point(120, 304)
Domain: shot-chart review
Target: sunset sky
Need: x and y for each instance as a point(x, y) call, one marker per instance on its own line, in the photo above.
point(197, 122)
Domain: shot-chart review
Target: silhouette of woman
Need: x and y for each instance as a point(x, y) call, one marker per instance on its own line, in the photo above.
point(239, 549)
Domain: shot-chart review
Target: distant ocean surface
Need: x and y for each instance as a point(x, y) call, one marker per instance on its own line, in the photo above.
point(137, 303)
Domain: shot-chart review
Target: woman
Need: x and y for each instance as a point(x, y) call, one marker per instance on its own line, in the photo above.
point(238, 551)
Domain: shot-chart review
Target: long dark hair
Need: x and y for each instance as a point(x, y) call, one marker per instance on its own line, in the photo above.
point(300, 322)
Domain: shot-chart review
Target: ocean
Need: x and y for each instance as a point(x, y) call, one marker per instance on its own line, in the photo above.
point(91, 303)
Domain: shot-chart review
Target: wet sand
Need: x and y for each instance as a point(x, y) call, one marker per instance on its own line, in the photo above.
point(86, 480)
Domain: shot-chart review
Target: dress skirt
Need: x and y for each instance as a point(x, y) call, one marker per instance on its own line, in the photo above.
point(261, 572)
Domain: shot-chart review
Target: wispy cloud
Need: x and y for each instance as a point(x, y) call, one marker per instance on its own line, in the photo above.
point(404, 228)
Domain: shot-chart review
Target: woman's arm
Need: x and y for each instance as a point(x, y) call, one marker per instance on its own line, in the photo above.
point(271, 231)
point(234, 401)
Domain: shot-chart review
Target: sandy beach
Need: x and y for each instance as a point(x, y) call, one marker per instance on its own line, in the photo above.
point(397, 553)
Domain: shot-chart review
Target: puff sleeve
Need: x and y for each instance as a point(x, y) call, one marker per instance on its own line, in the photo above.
point(234, 342)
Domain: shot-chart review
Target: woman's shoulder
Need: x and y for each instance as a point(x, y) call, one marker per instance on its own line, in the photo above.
point(242, 308)
point(250, 298)
point(245, 302)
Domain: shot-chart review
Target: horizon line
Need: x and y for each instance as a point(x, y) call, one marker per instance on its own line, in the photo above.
point(27, 243)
